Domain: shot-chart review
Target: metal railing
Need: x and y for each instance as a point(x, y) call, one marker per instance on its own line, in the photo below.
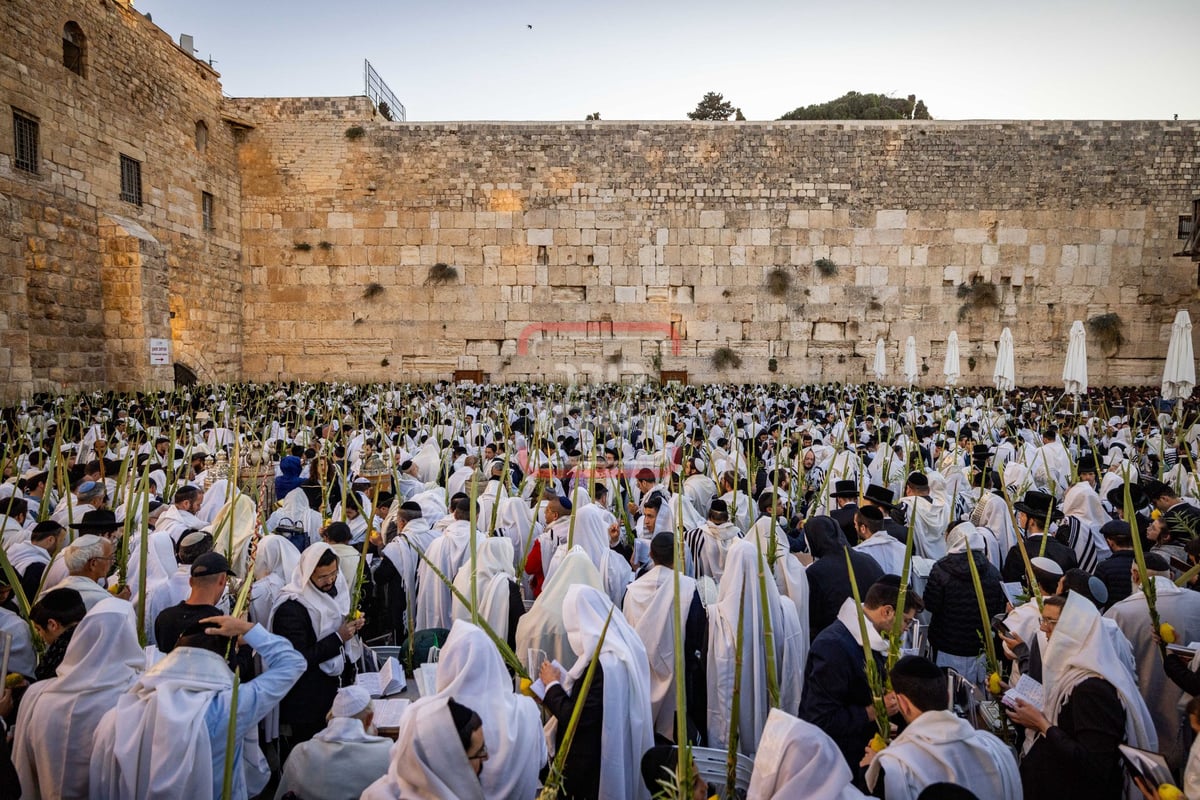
point(381, 95)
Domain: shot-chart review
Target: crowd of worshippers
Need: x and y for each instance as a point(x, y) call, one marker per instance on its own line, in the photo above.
point(765, 528)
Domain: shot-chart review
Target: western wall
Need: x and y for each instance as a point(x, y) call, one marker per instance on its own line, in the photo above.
point(312, 239)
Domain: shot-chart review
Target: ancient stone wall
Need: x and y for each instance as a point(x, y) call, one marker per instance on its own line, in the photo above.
point(90, 277)
point(617, 249)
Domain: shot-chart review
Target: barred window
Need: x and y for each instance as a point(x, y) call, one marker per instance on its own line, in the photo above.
point(131, 180)
point(206, 210)
point(25, 139)
point(1185, 227)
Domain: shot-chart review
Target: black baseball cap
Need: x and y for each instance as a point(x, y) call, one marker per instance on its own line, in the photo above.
point(210, 564)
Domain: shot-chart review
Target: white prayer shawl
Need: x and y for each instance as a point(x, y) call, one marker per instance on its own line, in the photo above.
point(296, 512)
point(215, 498)
point(274, 562)
point(681, 506)
point(1181, 609)
point(542, 627)
point(1079, 649)
point(448, 553)
point(741, 512)
point(160, 562)
point(515, 521)
point(627, 735)
point(553, 536)
point(887, 550)
point(993, 513)
point(174, 521)
point(494, 577)
point(428, 759)
point(232, 528)
point(325, 612)
point(790, 577)
point(796, 760)
point(91, 592)
point(432, 503)
point(404, 558)
point(456, 482)
point(24, 555)
point(591, 534)
point(932, 519)
point(649, 607)
point(716, 539)
point(165, 706)
point(170, 592)
point(700, 490)
point(339, 762)
point(1083, 504)
point(740, 588)
point(58, 717)
point(938, 747)
point(471, 671)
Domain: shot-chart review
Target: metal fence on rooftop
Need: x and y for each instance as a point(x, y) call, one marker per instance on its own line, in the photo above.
point(381, 95)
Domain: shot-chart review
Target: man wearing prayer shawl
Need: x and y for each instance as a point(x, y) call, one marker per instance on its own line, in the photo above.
point(429, 761)
point(58, 717)
point(591, 533)
point(605, 756)
point(709, 544)
point(936, 746)
point(312, 612)
point(544, 627)
point(1178, 607)
point(932, 516)
point(182, 514)
point(649, 606)
point(740, 592)
point(341, 761)
point(497, 591)
point(166, 737)
point(471, 671)
point(448, 552)
point(88, 561)
point(1092, 705)
point(796, 760)
point(397, 570)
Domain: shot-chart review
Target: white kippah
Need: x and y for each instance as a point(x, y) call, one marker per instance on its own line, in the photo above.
point(1046, 565)
point(350, 700)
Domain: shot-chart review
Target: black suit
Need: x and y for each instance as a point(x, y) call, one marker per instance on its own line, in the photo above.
point(829, 585)
point(1056, 551)
point(844, 517)
point(305, 706)
point(581, 772)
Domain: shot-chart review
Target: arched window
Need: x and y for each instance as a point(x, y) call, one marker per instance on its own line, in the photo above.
point(201, 135)
point(74, 49)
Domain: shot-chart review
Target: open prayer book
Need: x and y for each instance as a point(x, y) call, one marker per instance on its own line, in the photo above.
point(388, 681)
point(389, 712)
point(1027, 689)
point(1012, 592)
point(539, 688)
point(425, 676)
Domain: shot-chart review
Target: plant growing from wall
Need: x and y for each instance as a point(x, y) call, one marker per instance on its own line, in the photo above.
point(324, 245)
point(977, 294)
point(383, 362)
point(441, 274)
point(355, 132)
point(302, 246)
point(772, 364)
point(656, 362)
point(1107, 330)
point(724, 358)
point(372, 290)
point(779, 282)
point(826, 267)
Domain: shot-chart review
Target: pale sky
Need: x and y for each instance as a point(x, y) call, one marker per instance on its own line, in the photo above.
point(654, 59)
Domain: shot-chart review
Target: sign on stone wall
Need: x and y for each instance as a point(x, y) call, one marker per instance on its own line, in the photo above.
point(160, 352)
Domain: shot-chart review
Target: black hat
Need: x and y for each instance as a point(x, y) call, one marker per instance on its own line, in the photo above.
point(1038, 505)
point(981, 452)
point(100, 520)
point(645, 474)
point(663, 545)
point(45, 528)
point(1116, 496)
point(410, 505)
point(1117, 529)
point(880, 496)
point(1088, 463)
point(1155, 562)
point(918, 480)
point(210, 563)
point(844, 489)
point(406, 465)
point(1155, 489)
point(719, 506)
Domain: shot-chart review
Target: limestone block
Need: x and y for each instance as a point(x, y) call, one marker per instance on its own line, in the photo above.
point(535, 237)
point(712, 219)
point(891, 218)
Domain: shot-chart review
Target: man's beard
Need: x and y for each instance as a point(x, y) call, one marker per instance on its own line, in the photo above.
point(332, 590)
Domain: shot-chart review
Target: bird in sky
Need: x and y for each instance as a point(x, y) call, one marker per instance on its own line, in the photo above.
point(529, 26)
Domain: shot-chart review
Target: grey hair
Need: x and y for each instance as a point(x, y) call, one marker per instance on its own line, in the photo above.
point(97, 490)
point(81, 551)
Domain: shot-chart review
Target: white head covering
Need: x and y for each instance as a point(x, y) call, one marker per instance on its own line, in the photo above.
point(628, 735)
point(963, 535)
point(494, 575)
point(515, 520)
point(1080, 649)
point(428, 760)
point(543, 626)
point(471, 671)
point(796, 760)
point(350, 700)
point(59, 717)
point(327, 612)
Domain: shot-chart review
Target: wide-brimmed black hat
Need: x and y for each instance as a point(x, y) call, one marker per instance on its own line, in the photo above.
point(1116, 496)
point(1088, 463)
point(1038, 505)
point(1155, 489)
point(844, 489)
point(880, 496)
point(99, 520)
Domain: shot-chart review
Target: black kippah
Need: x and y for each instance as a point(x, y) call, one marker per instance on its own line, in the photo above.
point(917, 667)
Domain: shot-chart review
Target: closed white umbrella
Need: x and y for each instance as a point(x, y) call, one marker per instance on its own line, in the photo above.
point(1179, 373)
point(880, 367)
point(950, 367)
point(1005, 375)
point(910, 361)
point(1074, 375)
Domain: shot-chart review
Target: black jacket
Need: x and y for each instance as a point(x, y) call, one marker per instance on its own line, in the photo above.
point(1056, 551)
point(955, 627)
point(836, 693)
point(581, 772)
point(1115, 572)
point(1078, 758)
point(312, 695)
point(829, 585)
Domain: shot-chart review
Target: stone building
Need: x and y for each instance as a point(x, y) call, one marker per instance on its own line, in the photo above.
point(312, 239)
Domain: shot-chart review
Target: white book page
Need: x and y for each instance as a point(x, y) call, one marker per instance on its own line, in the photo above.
point(389, 712)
